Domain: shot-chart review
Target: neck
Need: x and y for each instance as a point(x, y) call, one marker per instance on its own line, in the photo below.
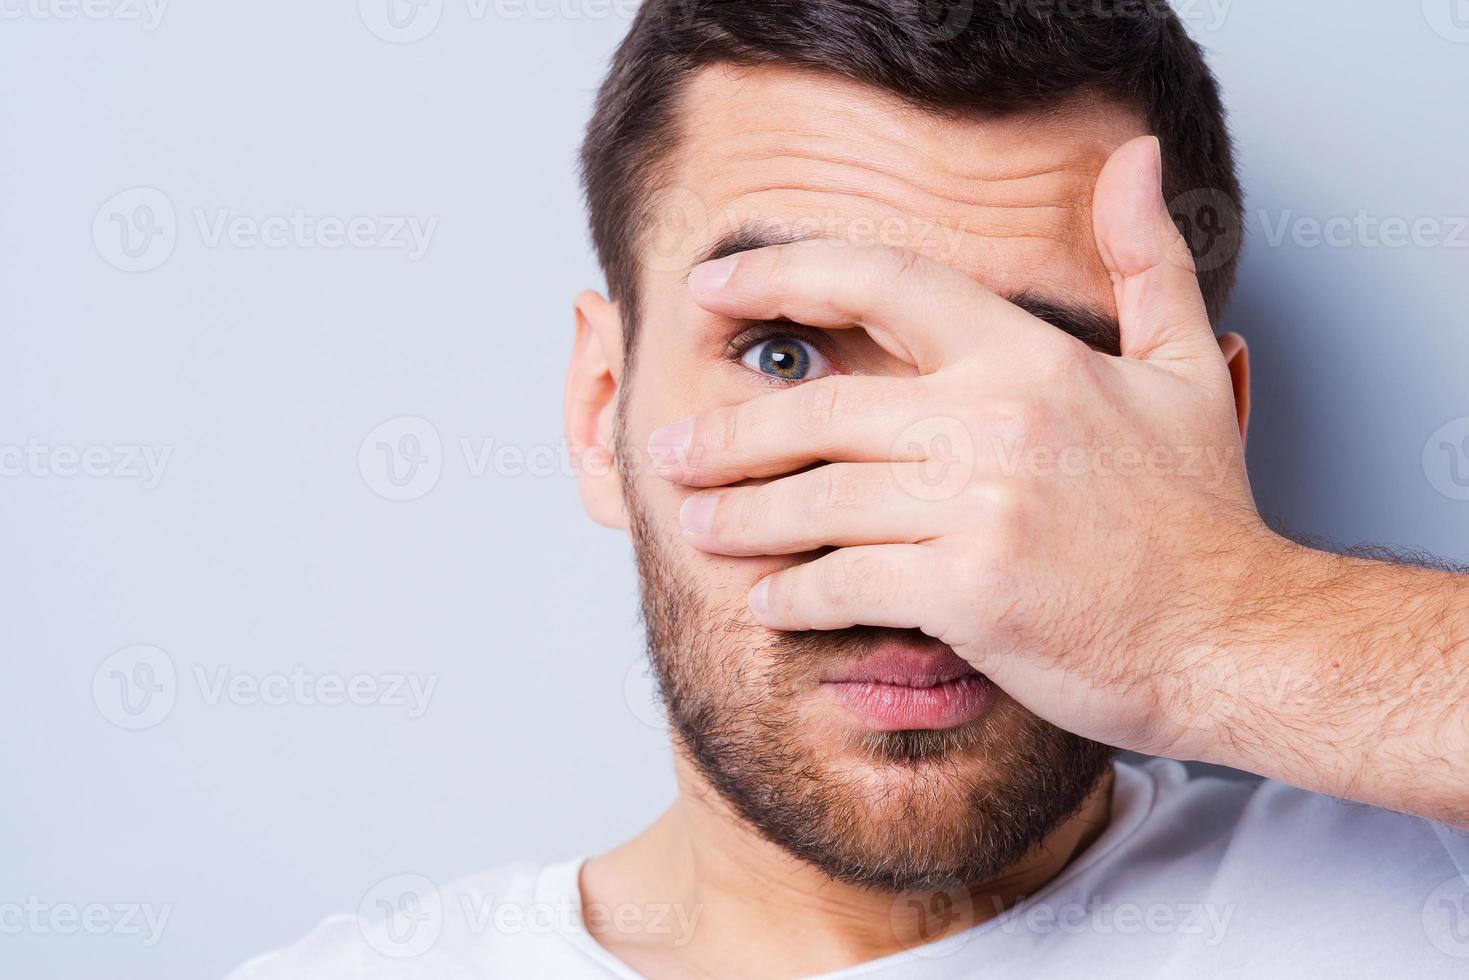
point(733, 904)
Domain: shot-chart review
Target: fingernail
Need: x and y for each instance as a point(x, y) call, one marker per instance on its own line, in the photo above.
point(711, 276)
point(668, 445)
point(759, 598)
point(697, 513)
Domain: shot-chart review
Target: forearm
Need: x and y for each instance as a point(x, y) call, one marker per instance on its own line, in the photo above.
point(1346, 676)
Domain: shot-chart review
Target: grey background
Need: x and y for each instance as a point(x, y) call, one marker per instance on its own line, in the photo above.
point(265, 548)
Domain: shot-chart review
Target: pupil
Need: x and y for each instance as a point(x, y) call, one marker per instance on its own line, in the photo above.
point(784, 359)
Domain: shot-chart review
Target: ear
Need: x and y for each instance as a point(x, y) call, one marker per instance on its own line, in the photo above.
point(590, 407)
point(1237, 356)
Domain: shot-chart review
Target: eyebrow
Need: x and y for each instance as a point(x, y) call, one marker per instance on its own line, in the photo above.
point(1095, 328)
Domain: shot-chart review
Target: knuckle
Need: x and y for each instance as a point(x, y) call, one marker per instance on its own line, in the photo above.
point(1177, 251)
point(825, 491)
point(970, 574)
point(839, 576)
point(866, 580)
point(970, 589)
point(1064, 359)
point(765, 519)
point(902, 264)
point(1002, 540)
point(837, 488)
point(1013, 422)
point(818, 404)
point(727, 520)
point(1003, 500)
point(727, 431)
point(706, 442)
point(777, 270)
point(992, 559)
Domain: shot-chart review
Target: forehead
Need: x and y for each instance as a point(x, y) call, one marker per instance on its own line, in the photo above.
point(1007, 200)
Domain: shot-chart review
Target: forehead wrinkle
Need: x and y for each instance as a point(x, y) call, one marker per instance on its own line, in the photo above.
point(1062, 217)
point(924, 226)
point(1005, 200)
point(908, 183)
point(1064, 181)
point(782, 204)
point(955, 162)
point(775, 101)
point(1052, 203)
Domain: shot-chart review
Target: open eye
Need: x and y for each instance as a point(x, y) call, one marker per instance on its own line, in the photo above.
point(786, 358)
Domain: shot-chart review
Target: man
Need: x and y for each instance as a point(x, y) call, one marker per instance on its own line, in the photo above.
point(932, 463)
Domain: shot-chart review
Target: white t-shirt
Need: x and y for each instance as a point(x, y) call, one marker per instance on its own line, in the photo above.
point(1195, 877)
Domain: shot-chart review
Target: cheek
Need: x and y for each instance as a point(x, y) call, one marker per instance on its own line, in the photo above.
point(667, 387)
point(724, 581)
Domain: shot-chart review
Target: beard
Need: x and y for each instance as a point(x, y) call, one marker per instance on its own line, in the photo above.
point(896, 811)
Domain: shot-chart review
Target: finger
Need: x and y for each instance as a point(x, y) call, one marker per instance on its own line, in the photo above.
point(837, 505)
point(917, 309)
point(853, 419)
point(1160, 307)
point(873, 585)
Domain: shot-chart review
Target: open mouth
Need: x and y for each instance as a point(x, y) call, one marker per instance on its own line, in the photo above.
point(905, 685)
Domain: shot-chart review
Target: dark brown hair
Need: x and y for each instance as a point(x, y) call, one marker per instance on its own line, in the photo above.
point(995, 57)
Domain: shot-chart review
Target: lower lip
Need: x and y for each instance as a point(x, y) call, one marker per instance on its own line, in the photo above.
point(893, 707)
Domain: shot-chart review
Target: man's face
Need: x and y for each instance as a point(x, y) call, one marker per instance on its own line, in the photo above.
point(872, 753)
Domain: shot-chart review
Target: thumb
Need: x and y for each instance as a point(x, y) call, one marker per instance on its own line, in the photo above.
point(1160, 308)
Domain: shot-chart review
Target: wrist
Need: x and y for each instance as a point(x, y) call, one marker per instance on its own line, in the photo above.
point(1230, 665)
